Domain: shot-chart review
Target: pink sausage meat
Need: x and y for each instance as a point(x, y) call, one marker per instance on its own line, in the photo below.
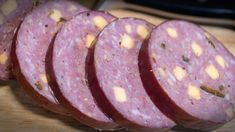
point(189, 75)
point(12, 12)
point(33, 40)
point(68, 64)
point(114, 77)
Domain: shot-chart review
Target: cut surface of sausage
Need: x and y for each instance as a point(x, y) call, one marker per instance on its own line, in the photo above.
point(32, 44)
point(189, 74)
point(114, 78)
point(12, 12)
point(68, 64)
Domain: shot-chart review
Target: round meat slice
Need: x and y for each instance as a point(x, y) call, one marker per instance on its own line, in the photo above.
point(33, 40)
point(189, 75)
point(114, 78)
point(68, 64)
point(12, 12)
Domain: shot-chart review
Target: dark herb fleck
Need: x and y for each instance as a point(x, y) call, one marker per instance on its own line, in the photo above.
point(38, 86)
point(221, 87)
point(35, 3)
point(210, 42)
point(8, 68)
point(85, 82)
point(228, 85)
point(185, 59)
point(88, 14)
point(191, 101)
point(46, 25)
point(62, 19)
point(212, 91)
point(154, 60)
point(163, 45)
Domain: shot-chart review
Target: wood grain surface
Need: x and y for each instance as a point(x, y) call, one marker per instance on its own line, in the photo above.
point(18, 113)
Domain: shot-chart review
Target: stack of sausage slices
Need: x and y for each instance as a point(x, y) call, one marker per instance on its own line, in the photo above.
point(111, 73)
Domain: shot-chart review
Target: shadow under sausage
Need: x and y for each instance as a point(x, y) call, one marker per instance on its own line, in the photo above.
point(5, 83)
point(30, 105)
point(71, 122)
point(179, 128)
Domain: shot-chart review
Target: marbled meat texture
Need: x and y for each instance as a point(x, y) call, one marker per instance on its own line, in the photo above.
point(114, 76)
point(189, 74)
point(33, 40)
point(68, 63)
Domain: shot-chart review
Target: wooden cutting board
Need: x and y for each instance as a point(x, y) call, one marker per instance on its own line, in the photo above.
point(19, 113)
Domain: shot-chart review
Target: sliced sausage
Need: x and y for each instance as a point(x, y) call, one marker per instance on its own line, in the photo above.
point(189, 75)
point(68, 64)
point(12, 12)
point(114, 78)
point(33, 39)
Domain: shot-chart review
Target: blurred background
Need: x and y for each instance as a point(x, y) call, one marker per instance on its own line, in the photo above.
point(213, 12)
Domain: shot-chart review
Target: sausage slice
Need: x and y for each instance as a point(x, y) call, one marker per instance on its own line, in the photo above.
point(189, 74)
point(114, 77)
point(33, 40)
point(68, 68)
